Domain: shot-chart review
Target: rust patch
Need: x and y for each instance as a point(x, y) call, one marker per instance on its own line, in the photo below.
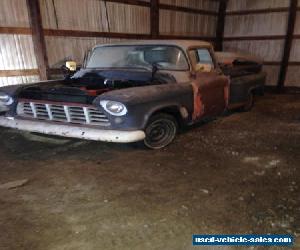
point(198, 104)
point(226, 93)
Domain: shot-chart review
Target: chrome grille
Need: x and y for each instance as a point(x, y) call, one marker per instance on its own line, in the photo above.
point(62, 113)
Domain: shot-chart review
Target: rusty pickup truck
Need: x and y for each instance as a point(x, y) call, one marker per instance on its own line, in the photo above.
point(135, 91)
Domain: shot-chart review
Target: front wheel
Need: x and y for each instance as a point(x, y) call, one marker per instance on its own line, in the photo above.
point(160, 131)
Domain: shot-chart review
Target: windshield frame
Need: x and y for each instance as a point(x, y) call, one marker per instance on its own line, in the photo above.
point(139, 68)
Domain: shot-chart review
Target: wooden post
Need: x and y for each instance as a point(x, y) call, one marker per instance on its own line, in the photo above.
point(154, 9)
point(38, 38)
point(287, 44)
point(221, 25)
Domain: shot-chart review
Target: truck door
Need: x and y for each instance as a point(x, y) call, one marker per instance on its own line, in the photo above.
point(210, 85)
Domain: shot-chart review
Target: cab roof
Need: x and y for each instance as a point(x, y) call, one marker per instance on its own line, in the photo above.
point(184, 44)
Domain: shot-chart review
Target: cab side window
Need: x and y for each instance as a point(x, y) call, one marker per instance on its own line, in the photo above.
point(204, 57)
point(202, 60)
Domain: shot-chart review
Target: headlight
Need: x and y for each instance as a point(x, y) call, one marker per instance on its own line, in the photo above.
point(114, 108)
point(6, 99)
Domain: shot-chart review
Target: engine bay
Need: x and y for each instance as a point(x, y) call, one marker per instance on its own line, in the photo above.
point(86, 85)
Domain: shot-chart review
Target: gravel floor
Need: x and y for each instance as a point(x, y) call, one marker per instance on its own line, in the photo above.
point(237, 174)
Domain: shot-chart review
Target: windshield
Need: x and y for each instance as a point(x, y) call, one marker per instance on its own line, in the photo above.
point(138, 56)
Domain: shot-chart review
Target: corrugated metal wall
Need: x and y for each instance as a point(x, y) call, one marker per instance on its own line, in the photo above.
point(293, 74)
point(188, 24)
point(74, 15)
point(241, 23)
point(95, 15)
point(195, 4)
point(179, 23)
point(237, 5)
point(261, 34)
point(16, 51)
point(61, 49)
point(13, 13)
point(90, 16)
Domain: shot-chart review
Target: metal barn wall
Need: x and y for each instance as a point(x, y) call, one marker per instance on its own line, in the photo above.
point(189, 24)
point(16, 50)
point(70, 27)
point(258, 27)
point(61, 49)
point(194, 4)
point(179, 23)
point(293, 73)
point(95, 15)
point(88, 15)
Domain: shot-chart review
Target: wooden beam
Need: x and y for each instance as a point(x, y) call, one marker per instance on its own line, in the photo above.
point(19, 72)
point(81, 33)
point(274, 63)
point(259, 11)
point(271, 63)
point(251, 38)
point(186, 37)
point(15, 30)
point(131, 2)
point(154, 21)
point(58, 71)
point(188, 10)
point(287, 44)
point(38, 37)
point(296, 36)
point(221, 25)
point(294, 63)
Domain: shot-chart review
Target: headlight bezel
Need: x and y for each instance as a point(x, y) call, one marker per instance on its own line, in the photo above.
point(6, 99)
point(107, 106)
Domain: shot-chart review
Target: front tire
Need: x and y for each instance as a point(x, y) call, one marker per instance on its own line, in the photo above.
point(160, 131)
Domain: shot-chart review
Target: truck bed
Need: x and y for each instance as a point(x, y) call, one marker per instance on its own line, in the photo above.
point(237, 65)
point(246, 75)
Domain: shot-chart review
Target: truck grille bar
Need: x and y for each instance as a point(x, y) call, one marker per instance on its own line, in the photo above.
point(86, 115)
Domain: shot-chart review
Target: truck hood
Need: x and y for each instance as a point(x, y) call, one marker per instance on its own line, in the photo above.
point(87, 84)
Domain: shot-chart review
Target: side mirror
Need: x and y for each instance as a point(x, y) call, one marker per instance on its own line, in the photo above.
point(71, 66)
point(203, 67)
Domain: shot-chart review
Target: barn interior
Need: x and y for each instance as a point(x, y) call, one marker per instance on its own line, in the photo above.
point(236, 174)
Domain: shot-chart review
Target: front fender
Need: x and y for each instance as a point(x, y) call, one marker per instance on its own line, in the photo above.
point(142, 102)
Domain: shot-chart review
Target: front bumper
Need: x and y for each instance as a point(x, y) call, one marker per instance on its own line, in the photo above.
point(73, 131)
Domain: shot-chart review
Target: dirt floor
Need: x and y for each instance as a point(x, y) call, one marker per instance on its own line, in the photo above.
point(237, 174)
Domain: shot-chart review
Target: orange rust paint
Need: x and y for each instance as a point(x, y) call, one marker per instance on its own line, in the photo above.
point(229, 62)
point(93, 92)
point(198, 105)
point(226, 93)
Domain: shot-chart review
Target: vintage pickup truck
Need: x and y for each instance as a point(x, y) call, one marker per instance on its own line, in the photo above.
point(135, 91)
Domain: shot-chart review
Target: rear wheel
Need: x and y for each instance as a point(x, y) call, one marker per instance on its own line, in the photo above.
point(249, 104)
point(160, 131)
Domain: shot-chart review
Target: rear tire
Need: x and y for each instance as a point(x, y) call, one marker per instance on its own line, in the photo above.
point(249, 104)
point(160, 131)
